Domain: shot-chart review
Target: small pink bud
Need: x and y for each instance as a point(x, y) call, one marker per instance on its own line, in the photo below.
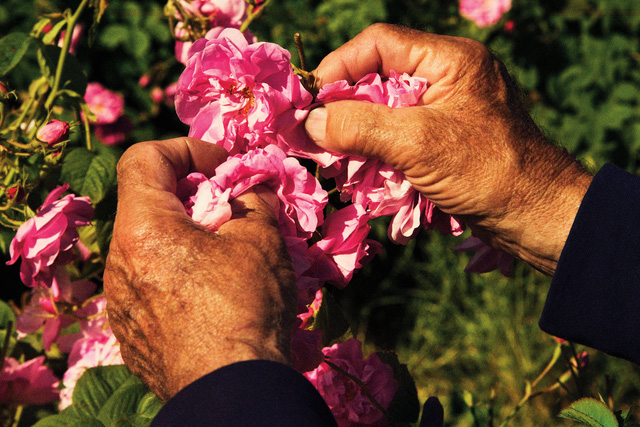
point(144, 80)
point(3, 89)
point(583, 360)
point(509, 26)
point(560, 340)
point(157, 95)
point(53, 132)
point(16, 193)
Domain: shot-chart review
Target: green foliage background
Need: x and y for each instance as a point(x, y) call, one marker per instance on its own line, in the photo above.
point(577, 62)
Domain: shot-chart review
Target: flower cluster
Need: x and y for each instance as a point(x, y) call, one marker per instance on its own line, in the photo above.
point(246, 98)
point(46, 243)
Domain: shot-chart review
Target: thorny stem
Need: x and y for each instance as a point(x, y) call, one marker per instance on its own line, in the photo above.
point(71, 23)
point(252, 16)
point(297, 38)
point(362, 387)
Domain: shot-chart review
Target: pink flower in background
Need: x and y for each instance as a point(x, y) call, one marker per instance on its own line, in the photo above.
point(484, 12)
point(53, 132)
point(45, 241)
point(30, 383)
point(111, 125)
point(107, 105)
point(218, 15)
point(114, 133)
point(94, 346)
point(486, 258)
point(42, 308)
point(76, 35)
point(232, 92)
point(348, 403)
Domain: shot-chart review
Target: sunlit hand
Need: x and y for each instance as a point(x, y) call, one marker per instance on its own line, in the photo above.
point(183, 301)
point(471, 147)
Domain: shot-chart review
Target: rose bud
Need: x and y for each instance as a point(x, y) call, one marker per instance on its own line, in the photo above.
point(53, 132)
point(16, 193)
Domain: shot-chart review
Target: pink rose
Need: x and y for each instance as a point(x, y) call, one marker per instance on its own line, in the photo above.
point(46, 240)
point(30, 383)
point(107, 105)
point(486, 258)
point(95, 346)
point(305, 349)
point(484, 12)
point(42, 308)
point(302, 199)
point(348, 403)
point(232, 92)
point(53, 132)
point(345, 246)
point(76, 35)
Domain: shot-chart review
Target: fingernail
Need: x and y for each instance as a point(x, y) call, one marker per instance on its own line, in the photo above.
point(316, 124)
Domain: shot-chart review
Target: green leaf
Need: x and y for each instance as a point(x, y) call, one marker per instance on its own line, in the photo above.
point(95, 387)
point(114, 35)
point(123, 402)
point(13, 47)
point(6, 236)
point(90, 173)
point(590, 412)
point(6, 315)
point(53, 33)
point(67, 420)
point(405, 406)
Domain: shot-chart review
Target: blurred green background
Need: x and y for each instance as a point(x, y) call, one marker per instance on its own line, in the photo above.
point(577, 63)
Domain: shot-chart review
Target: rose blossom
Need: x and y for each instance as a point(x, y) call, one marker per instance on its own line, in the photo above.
point(95, 346)
point(30, 383)
point(344, 247)
point(375, 186)
point(232, 92)
point(43, 308)
point(216, 14)
point(45, 240)
point(484, 12)
point(107, 105)
point(53, 132)
point(348, 403)
point(302, 199)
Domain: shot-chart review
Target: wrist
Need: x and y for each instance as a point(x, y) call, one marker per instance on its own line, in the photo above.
point(544, 204)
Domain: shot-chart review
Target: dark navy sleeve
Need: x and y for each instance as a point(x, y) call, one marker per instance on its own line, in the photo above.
point(594, 297)
point(251, 393)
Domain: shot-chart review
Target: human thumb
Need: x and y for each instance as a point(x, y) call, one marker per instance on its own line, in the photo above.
point(365, 129)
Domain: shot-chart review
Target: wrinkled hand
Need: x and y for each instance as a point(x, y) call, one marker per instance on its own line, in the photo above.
point(182, 300)
point(471, 147)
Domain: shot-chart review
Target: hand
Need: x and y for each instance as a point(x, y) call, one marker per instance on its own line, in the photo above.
point(471, 147)
point(182, 300)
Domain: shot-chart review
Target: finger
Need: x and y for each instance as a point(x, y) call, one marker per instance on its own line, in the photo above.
point(382, 48)
point(393, 135)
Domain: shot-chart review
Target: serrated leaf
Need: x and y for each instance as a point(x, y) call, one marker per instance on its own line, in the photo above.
point(124, 402)
point(95, 387)
point(405, 406)
point(67, 421)
point(590, 412)
point(13, 47)
point(90, 173)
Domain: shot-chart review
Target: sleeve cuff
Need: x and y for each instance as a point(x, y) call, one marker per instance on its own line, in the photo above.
point(250, 393)
point(594, 297)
